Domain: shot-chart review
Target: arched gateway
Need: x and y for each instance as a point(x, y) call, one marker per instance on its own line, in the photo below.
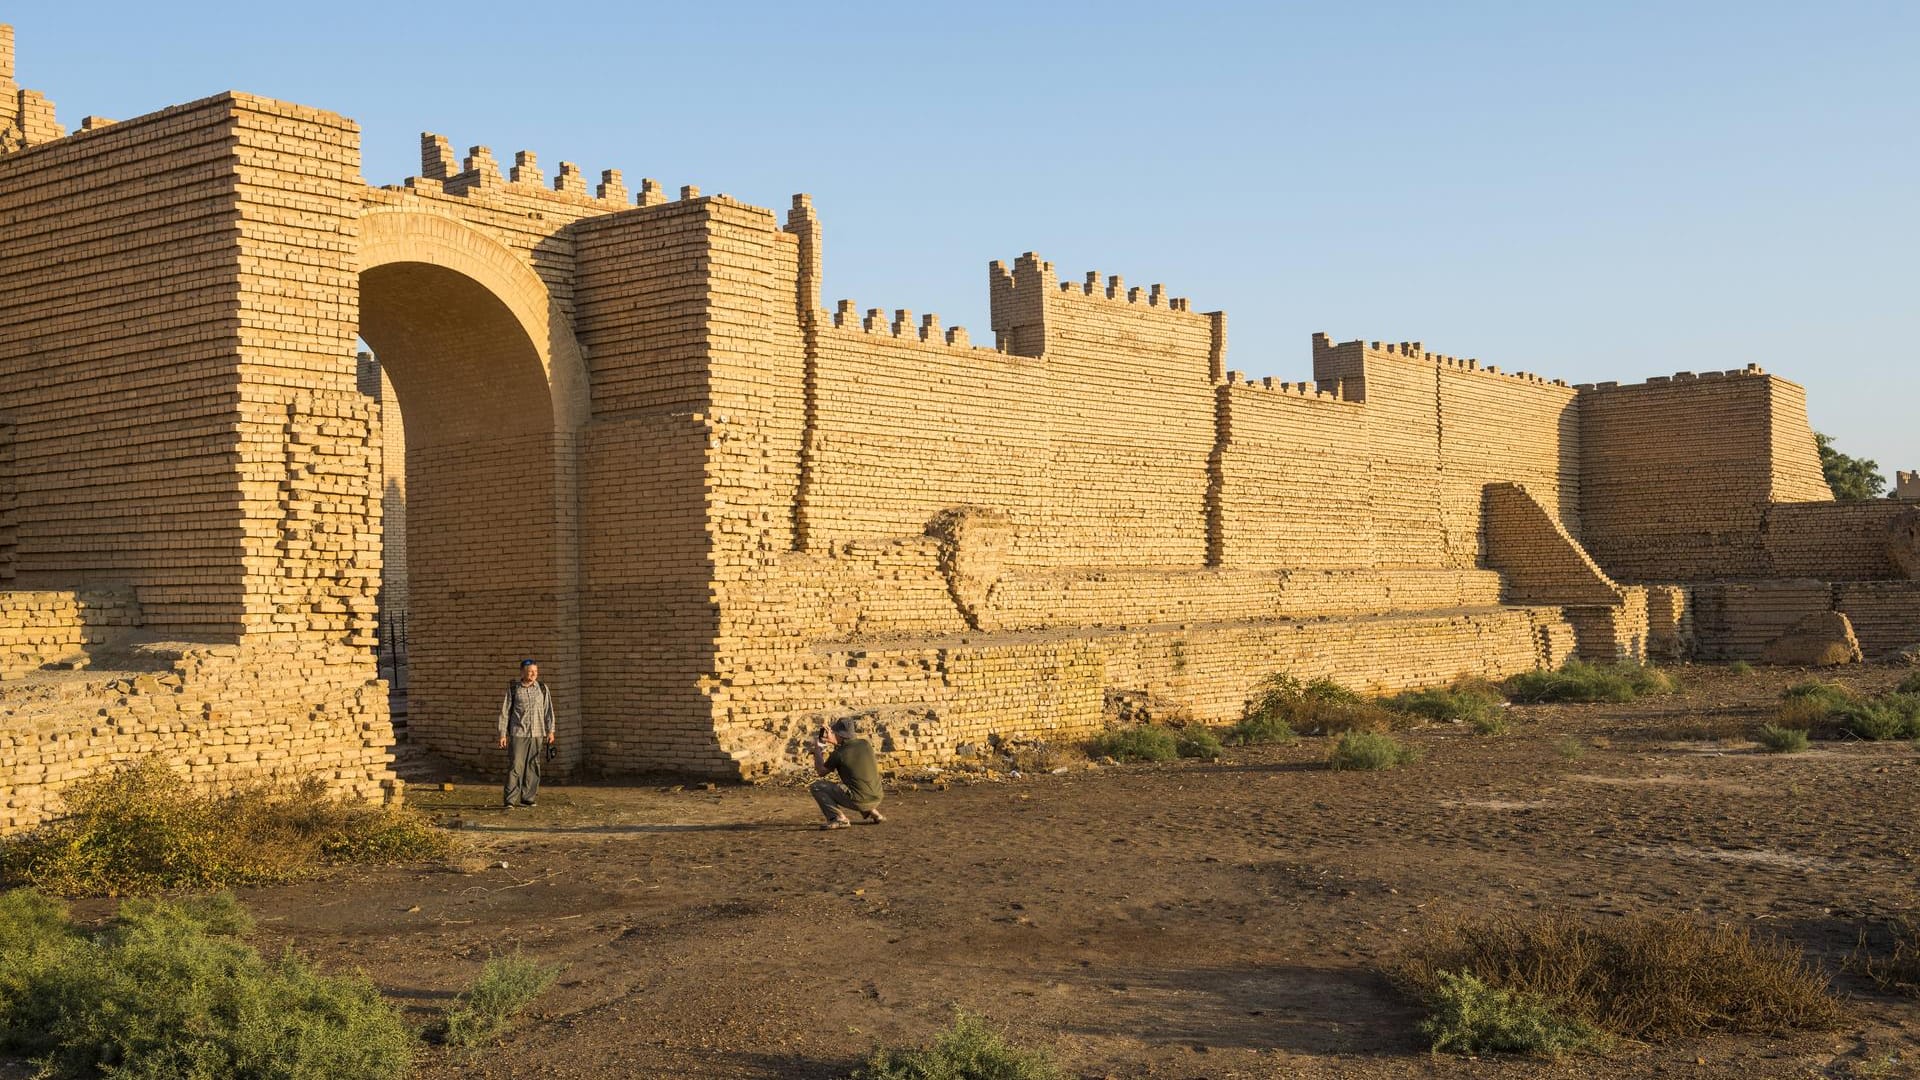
point(638, 449)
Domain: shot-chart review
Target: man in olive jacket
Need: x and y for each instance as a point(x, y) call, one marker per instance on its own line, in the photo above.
point(526, 730)
point(835, 749)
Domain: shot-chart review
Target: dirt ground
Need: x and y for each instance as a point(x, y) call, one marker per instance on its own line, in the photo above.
point(1195, 920)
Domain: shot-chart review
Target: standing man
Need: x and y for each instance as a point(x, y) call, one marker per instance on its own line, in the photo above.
point(835, 749)
point(526, 730)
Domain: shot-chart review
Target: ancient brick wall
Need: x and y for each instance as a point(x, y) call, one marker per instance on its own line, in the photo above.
point(117, 293)
point(1836, 541)
point(219, 715)
point(61, 627)
point(1677, 473)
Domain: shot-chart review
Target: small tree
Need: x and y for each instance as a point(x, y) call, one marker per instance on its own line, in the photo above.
point(1852, 479)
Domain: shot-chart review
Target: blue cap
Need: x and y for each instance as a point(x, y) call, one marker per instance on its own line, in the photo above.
point(526, 663)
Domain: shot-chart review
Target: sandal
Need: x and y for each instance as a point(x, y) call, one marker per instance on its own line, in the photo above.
point(873, 816)
point(838, 823)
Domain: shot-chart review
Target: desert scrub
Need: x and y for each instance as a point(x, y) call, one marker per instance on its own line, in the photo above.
point(1888, 956)
point(1739, 667)
point(1831, 695)
point(1569, 749)
point(1579, 681)
point(168, 989)
point(969, 1050)
point(1256, 730)
point(138, 830)
point(1466, 1016)
point(1651, 979)
point(1197, 741)
point(1909, 685)
point(1370, 750)
point(1781, 740)
point(506, 985)
point(1470, 701)
point(1320, 707)
point(1144, 742)
point(1888, 716)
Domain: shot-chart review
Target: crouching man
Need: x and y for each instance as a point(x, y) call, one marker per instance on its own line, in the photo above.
point(836, 750)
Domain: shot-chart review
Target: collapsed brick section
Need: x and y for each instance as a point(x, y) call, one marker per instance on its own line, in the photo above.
point(637, 446)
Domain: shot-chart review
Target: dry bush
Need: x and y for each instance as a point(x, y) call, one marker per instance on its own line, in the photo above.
point(139, 830)
point(1371, 751)
point(1895, 966)
point(1653, 979)
point(1781, 740)
point(1580, 681)
point(1320, 707)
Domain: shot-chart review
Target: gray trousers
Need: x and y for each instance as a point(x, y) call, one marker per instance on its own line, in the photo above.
point(524, 755)
point(834, 799)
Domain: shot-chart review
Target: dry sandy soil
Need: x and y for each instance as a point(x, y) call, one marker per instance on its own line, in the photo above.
point(1194, 920)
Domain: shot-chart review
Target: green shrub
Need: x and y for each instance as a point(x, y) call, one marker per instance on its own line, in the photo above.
point(1318, 707)
point(167, 990)
point(138, 830)
point(1469, 1017)
point(1580, 681)
point(1494, 723)
point(1830, 695)
point(1569, 748)
point(1739, 667)
point(1890, 716)
point(506, 985)
point(1143, 742)
point(1643, 978)
point(969, 1050)
point(1466, 702)
point(1781, 740)
point(1909, 685)
point(1255, 730)
point(1369, 750)
point(1197, 741)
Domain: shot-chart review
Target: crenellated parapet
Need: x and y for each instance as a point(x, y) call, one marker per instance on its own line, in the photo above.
point(479, 172)
point(26, 116)
point(1750, 371)
point(899, 325)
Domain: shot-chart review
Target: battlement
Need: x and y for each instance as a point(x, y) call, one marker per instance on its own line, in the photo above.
point(1307, 390)
point(478, 171)
point(1115, 289)
point(1325, 350)
point(26, 116)
point(901, 325)
point(1906, 485)
point(1751, 370)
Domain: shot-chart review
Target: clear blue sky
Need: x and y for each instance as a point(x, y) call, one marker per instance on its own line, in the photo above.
point(1589, 191)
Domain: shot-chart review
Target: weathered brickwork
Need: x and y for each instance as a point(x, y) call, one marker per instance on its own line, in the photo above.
point(624, 434)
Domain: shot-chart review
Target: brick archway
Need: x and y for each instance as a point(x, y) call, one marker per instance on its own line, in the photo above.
point(395, 236)
point(491, 390)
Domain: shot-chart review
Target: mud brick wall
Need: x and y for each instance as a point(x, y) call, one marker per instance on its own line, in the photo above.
point(376, 385)
point(1541, 561)
point(1677, 473)
point(1129, 383)
point(1438, 429)
point(220, 716)
point(1736, 621)
point(60, 626)
point(9, 505)
point(1885, 614)
point(648, 560)
point(1837, 541)
point(1292, 477)
point(118, 281)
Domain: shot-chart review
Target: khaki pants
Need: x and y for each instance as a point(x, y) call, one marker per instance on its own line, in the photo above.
point(523, 769)
point(834, 799)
